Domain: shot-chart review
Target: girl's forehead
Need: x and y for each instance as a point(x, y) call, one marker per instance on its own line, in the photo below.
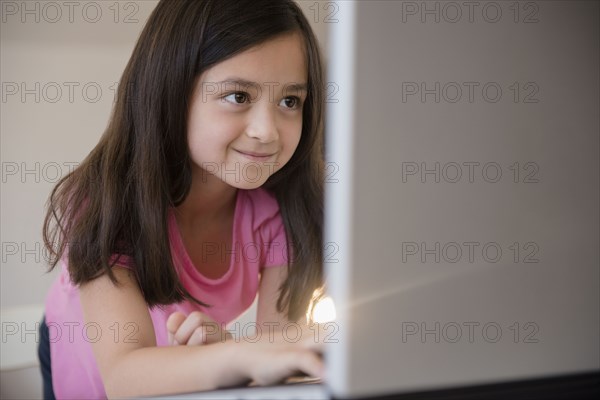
point(281, 60)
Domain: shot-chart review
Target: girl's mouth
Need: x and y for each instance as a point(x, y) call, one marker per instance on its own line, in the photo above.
point(256, 156)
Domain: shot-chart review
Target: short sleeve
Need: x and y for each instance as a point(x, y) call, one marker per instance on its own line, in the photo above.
point(274, 242)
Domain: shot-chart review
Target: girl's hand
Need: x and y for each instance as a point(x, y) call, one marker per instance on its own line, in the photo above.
point(195, 329)
point(268, 362)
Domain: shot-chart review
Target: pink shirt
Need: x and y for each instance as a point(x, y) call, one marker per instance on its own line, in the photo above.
point(259, 241)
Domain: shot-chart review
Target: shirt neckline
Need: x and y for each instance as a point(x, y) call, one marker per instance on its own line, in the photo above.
point(183, 256)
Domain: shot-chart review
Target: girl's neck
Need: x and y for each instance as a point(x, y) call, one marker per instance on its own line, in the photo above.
point(209, 198)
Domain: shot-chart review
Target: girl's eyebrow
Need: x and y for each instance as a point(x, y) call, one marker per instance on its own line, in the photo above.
point(246, 83)
point(237, 82)
point(296, 86)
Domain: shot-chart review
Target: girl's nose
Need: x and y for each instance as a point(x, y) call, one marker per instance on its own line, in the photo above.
point(262, 125)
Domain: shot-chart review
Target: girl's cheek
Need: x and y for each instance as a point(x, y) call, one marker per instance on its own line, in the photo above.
point(294, 128)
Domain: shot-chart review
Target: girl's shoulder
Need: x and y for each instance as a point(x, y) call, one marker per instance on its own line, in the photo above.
point(259, 223)
point(260, 208)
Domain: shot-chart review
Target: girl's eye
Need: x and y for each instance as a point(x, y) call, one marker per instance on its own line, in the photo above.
point(291, 102)
point(237, 98)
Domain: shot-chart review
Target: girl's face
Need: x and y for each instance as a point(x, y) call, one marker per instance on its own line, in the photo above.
point(245, 117)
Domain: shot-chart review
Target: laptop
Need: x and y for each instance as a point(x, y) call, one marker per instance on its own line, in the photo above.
point(461, 242)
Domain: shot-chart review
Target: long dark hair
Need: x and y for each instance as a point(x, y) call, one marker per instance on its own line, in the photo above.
point(117, 200)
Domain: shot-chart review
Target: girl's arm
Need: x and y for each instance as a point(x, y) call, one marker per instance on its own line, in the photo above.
point(198, 328)
point(268, 292)
point(269, 319)
point(134, 366)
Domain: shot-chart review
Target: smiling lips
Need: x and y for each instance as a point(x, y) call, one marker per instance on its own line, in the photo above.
point(255, 155)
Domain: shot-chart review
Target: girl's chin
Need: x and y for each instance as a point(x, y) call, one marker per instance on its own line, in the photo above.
point(245, 183)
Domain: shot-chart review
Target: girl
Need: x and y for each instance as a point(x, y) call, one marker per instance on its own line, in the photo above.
point(205, 189)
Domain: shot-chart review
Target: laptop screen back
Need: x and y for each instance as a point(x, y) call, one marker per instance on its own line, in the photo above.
point(462, 193)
